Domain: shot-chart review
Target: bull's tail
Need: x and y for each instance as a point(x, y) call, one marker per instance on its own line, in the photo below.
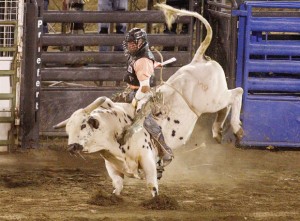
point(172, 13)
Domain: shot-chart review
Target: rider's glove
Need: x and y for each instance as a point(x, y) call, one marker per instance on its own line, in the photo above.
point(134, 102)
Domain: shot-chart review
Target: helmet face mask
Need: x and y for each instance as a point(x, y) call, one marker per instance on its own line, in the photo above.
point(132, 47)
point(137, 38)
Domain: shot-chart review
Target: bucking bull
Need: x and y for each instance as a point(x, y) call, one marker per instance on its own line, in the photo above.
point(197, 88)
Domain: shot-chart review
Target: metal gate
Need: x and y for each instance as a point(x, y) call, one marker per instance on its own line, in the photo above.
point(10, 55)
point(268, 68)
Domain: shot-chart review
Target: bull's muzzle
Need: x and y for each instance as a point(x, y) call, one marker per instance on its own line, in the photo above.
point(75, 147)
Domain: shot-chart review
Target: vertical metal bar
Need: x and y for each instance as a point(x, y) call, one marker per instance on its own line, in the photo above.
point(233, 50)
point(240, 49)
point(191, 30)
point(14, 82)
point(149, 25)
point(29, 110)
point(199, 26)
point(247, 54)
point(19, 63)
point(38, 64)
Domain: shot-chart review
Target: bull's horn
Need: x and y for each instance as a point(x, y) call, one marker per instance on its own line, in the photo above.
point(61, 124)
point(95, 104)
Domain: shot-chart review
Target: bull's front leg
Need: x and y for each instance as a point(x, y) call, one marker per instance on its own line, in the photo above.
point(116, 176)
point(148, 163)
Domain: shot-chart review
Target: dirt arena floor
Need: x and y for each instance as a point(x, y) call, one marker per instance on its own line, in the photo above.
point(206, 181)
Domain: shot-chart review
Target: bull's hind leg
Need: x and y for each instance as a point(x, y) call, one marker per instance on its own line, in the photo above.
point(219, 123)
point(117, 178)
point(236, 106)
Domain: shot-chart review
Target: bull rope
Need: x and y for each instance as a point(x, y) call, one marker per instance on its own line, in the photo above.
point(175, 89)
point(161, 61)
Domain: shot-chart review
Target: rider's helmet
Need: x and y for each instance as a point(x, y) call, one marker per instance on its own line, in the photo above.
point(138, 36)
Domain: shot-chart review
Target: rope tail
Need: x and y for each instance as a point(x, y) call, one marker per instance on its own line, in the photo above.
point(172, 13)
point(161, 61)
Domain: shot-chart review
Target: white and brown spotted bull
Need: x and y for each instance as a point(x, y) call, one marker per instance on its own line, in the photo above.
point(197, 88)
point(97, 128)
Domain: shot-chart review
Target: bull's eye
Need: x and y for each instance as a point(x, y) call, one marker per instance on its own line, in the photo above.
point(83, 126)
point(94, 123)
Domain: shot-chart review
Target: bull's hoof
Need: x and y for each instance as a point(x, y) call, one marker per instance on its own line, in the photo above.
point(218, 138)
point(239, 134)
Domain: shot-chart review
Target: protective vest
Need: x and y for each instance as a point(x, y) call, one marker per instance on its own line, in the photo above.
point(131, 77)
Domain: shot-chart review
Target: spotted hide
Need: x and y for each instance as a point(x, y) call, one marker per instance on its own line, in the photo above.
point(97, 127)
point(196, 88)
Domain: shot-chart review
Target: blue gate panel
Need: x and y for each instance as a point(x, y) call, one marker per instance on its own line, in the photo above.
point(291, 48)
point(273, 4)
point(268, 69)
point(275, 24)
point(274, 85)
point(272, 120)
point(275, 66)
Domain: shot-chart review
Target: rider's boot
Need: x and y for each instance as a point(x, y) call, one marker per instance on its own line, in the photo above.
point(165, 159)
point(166, 150)
point(165, 153)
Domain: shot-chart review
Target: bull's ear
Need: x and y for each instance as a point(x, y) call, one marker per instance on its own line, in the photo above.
point(94, 123)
